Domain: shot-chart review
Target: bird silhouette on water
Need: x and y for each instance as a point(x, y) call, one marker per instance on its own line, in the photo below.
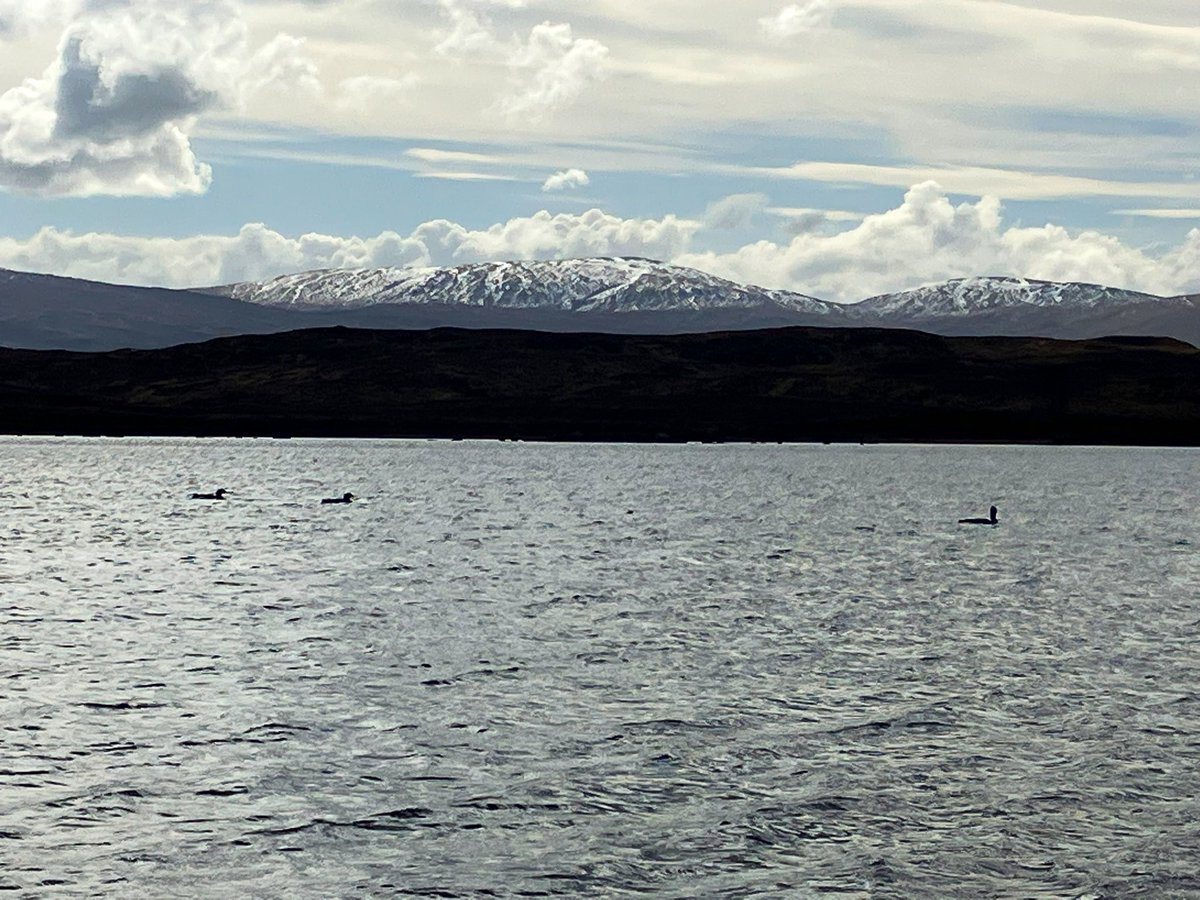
point(989, 521)
point(345, 498)
point(218, 494)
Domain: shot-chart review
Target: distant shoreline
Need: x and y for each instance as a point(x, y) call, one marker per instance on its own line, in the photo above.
point(547, 442)
point(787, 385)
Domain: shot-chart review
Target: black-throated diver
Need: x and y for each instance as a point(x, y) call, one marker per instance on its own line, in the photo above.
point(992, 521)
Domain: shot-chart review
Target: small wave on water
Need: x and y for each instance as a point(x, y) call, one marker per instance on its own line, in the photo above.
point(520, 670)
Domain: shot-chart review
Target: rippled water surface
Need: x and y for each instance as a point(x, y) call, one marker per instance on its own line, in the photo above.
point(526, 670)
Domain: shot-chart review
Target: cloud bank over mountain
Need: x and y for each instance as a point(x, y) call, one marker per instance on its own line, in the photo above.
point(928, 238)
point(925, 238)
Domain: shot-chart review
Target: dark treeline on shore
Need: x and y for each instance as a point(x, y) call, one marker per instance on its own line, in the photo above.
point(787, 384)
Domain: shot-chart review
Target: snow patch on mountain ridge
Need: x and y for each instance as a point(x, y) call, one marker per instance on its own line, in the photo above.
point(620, 284)
point(632, 284)
point(970, 296)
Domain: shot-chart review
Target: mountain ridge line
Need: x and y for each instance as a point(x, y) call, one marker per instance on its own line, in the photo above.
point(611, 294)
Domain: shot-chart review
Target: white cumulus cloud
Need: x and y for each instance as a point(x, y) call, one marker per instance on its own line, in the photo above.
point(927, 238)
point(548, 70)
point(18, 16)
point(113, 114)
point(797, 18)
point(551, 70)
point(281, 65)
point(567, 180)
point(470, 31)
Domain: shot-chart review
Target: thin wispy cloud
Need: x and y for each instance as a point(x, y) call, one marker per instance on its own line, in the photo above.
point(372, 93)
point(735, 211)
point(465, 176)
point(1160, 213)
point(978, 180)
point(436, 155)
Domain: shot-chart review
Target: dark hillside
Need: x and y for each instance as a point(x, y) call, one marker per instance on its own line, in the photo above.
point(792, 384)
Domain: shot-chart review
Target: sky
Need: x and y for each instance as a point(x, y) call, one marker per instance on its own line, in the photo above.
point(840, 148)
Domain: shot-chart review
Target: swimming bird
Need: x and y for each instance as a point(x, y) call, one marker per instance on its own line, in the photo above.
point(992, 521)
point(345, 498)
point(218, 494)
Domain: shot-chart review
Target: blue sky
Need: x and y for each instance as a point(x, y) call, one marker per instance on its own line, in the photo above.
point(835, 147)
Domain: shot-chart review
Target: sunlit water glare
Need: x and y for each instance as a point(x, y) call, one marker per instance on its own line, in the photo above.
point(532, 670)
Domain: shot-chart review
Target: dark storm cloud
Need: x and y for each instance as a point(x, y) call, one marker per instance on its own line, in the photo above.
point(132, 105)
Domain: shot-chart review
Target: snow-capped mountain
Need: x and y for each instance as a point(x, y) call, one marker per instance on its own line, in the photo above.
point(615, 295)
point(599, 285)
point(972, 296)
point(1021, 307)
point(640, 295)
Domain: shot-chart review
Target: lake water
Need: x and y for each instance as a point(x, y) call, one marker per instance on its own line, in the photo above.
point(534, 670)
